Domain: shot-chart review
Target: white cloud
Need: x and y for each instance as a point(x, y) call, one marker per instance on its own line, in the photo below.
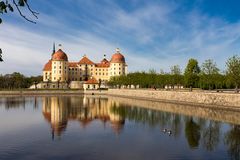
point(151, 36)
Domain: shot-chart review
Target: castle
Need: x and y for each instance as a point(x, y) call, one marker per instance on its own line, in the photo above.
point(59, 69)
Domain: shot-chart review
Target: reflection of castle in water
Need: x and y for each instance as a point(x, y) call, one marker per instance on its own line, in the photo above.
point(59, 110)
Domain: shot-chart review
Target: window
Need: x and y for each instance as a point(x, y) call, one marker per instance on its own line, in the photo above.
point(119, 72)
point(60, 72)
point(54, 67)
point(119, 68)
point(60, 67)
point(54, 78)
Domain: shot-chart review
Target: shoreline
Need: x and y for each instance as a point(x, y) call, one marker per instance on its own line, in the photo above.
point(38, 92)
point(201, 99)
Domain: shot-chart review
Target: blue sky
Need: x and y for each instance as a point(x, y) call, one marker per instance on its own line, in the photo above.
point(151, 34)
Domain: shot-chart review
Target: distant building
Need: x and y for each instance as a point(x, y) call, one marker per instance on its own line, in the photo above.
point(59, 70)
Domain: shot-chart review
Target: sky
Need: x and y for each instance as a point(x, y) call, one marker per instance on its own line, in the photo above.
point(150, 34)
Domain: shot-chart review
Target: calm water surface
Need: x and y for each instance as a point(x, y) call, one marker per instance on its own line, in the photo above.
point(91, 127)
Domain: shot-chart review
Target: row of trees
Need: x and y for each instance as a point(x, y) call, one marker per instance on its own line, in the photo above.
point(206, 76)
point(17, 80)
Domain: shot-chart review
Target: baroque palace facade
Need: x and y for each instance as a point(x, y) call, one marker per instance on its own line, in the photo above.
point(59, 69)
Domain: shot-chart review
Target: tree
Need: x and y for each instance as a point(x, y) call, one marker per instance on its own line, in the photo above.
point(209, 73)
point(176, 75)
point(7, 6)
point(233, 70)
point(17, 80)
point(99, 83)
point(191, 76)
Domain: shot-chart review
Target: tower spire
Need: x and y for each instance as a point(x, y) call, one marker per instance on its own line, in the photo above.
point(53, 48)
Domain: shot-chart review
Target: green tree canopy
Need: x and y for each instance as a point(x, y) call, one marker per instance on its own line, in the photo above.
point(233, 70)
point(209, 74)
point(191, 76)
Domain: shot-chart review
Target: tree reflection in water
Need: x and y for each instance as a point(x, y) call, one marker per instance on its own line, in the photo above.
point(192, 132)
point(211, 135)
point(232, 140)
point(13, 102)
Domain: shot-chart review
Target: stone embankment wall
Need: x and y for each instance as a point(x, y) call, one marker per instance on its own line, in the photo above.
point(201, 98)
point(224, 115)
point(196, 98)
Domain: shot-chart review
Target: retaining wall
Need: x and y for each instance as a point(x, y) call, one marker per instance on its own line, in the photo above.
point(206, 98)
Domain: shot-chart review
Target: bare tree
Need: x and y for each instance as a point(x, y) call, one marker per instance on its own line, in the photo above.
point(11, 5)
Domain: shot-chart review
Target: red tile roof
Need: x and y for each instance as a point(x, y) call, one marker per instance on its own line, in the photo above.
point(104, 63)
point(91, 81)
point(72, 64)
point(85, 60)
point(117, 58)
point(48, 66)
point(60, 55)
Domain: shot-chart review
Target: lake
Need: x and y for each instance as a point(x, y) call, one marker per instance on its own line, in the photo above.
point(114, 128)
